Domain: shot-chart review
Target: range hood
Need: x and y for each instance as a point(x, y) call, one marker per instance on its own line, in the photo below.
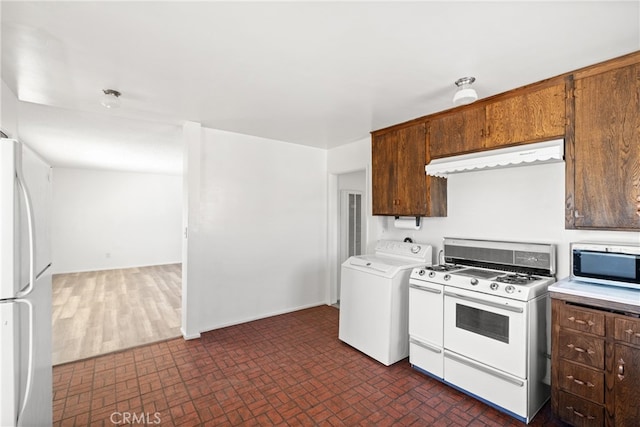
point(522, 155)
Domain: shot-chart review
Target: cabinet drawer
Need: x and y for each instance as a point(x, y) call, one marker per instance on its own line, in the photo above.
point(627, 330)
point(581, 348)
point(584, 382)
point(579, 412)
point(427, 357)
point(581, 320)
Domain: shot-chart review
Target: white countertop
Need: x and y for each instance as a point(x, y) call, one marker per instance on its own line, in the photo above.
point(601, 292)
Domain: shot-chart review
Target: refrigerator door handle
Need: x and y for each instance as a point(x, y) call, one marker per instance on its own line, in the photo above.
point(27, 389)
point(27, 201)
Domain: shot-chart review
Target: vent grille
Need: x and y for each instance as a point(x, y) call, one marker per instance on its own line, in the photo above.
point(493, 256)
point(541, 262)
point(355, 224)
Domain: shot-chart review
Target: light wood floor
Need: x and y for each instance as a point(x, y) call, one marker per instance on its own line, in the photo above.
point(103, 311)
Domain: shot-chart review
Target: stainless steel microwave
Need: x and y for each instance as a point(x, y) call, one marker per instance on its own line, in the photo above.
point(608, 264)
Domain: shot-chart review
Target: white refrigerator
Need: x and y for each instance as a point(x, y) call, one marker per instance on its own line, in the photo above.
point(25, 287)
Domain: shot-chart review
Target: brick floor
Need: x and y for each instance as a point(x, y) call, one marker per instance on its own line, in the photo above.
point(284, 370)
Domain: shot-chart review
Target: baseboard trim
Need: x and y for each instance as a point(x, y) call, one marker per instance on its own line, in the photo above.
point(190, 336)
point(262, 316)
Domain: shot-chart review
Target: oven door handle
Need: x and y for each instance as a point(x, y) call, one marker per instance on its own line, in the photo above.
point(483, 369)
point(425, 345)
point(424, 288)
point(484, 302)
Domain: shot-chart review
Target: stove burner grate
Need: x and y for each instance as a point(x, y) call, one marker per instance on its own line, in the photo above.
point(516, 279)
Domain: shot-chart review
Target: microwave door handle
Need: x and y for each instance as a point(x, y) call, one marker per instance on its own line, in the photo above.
point(28, 206)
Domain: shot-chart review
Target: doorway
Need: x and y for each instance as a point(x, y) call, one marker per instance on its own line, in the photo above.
point(351, 218)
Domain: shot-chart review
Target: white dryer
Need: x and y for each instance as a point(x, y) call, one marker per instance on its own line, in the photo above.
point(374, 299)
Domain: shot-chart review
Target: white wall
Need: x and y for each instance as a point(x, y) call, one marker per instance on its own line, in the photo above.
point(343, 160)
point(105, 220)
point(355, 181)
point(8, 111)
point(520, 204)
point(257, 229)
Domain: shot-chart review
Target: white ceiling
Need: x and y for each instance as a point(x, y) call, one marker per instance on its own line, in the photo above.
point(315, 73)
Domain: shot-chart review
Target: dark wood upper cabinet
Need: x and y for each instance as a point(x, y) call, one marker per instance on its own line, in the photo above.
point(400, 185)
point(529, 114)
point(457, 132)
point(603, 161)
point(383, 173)
point(529, 117)
point(595, 109)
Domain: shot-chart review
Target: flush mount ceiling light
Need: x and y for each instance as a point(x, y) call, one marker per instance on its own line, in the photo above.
point(465, 94)
point(110, 98)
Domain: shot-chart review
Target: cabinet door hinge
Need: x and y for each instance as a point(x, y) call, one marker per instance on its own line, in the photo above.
point(571, 93)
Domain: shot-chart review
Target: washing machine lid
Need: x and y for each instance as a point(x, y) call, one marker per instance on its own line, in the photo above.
point(369, 262)
point(381, 265)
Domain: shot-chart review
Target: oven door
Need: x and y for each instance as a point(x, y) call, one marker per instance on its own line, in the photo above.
point(486, 328)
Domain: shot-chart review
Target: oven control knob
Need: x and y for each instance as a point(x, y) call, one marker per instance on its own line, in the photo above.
point(432, 274)
point(421, 272)
point(510, 289)
point(474, 281)
point(447, 277)
point(415, 249)
point(494, 286)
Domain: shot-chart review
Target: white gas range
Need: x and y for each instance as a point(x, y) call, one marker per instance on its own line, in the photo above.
point(479, 321)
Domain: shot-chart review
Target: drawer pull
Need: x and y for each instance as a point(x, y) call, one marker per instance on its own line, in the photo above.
point(581, 322)
point(631, 332)
point(621, 369)
point(580, 350)
point(580, 382)
point(579, 414)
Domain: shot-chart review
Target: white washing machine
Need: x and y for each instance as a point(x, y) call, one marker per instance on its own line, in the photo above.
point(374, 299)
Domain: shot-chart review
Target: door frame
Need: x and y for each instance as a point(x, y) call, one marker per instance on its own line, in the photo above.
point(333, 227)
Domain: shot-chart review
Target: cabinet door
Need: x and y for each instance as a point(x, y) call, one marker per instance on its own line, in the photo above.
point(411, 182)
point(457, 133)
point(530, 117)
point(607, 150)
point(383, 173)
point(627, 385)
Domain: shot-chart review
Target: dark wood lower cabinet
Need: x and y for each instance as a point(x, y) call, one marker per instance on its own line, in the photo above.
point(582, 381)
point(579, 412)
point(595, 362)
point(627, 385)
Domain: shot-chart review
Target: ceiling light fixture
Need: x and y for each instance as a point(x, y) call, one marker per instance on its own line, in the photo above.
point(465, 94)
point(110, 98)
